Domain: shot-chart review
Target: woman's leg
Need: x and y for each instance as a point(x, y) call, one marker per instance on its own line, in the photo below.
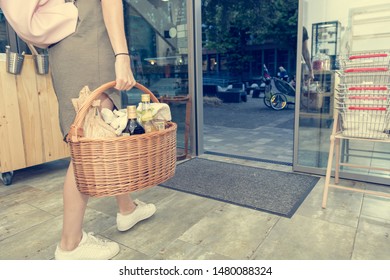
point(75, 204)
point(125, 202)
point(130, 212)
point(75, 244)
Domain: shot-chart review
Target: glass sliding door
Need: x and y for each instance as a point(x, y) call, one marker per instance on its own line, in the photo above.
point(157, 36)
point(243, 52)
point(336, 28)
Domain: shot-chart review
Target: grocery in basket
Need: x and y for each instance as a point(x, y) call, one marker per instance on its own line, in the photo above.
point(117, 165)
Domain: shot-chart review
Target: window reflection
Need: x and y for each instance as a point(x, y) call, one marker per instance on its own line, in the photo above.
point(336, 28)
point(157, 37)
point(3, 33)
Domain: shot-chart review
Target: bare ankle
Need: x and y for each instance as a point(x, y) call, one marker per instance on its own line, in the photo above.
point(128, 210)
point(69, 244)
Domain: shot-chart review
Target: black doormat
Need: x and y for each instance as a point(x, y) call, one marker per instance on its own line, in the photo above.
point(271, 191)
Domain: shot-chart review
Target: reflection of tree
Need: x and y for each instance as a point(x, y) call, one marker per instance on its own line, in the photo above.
point(155, 13)
point(3, 33)
point(231, 25)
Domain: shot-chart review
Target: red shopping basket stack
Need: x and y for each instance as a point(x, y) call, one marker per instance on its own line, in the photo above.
point(363, 98)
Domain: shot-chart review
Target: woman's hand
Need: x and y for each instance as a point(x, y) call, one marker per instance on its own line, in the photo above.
point(114, 21)
point(124, 76)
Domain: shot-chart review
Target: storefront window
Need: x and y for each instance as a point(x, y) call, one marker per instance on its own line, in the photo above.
point(3, 33)
point(283, 59)
point(204, 64)
point(213, 64)
point(269, 61)
point(257, 63)
point(158, 41)
point(223, 63)
point(336, 29)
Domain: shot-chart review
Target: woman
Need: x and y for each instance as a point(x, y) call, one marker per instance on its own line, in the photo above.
point(94, 54)
point(306, 53)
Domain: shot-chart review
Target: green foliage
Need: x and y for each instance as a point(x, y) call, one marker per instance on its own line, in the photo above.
point(231, 25)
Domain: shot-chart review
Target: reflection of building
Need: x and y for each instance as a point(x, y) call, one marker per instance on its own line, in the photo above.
point(157, 34)
point(175, 67)
point(215, 64)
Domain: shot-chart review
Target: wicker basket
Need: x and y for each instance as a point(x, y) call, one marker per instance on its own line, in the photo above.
point(118, 165)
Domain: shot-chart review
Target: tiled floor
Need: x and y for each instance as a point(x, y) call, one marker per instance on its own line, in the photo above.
point(189, 227)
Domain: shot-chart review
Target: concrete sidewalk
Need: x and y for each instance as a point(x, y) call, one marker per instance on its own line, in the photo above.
point(250, 129)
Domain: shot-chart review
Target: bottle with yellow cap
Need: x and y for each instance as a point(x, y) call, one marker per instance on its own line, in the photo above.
point(146, 114)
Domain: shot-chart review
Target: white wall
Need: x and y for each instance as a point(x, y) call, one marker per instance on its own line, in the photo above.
point(338, 10)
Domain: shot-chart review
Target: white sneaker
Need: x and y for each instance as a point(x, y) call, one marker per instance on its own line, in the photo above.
point(89, 248)
point(141, 212)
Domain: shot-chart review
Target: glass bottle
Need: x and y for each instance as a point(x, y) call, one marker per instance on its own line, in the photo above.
point(146, 114)
point(133, 127)
point(321, 61)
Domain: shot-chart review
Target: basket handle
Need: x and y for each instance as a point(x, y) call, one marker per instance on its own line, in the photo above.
point(76, 130)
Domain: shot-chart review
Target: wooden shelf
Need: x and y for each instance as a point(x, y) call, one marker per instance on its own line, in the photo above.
point(326, 79)
point(29, 126)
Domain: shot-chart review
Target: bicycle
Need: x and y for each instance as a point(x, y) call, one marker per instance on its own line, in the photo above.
point(278, 94)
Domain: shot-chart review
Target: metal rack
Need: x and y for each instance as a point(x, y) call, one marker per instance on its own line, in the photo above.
point(363, 110)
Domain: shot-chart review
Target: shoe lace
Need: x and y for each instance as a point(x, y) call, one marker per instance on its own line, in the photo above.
point(93, 239)
point(139, 202)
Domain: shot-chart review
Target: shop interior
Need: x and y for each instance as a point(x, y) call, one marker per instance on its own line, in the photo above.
point(336, 29)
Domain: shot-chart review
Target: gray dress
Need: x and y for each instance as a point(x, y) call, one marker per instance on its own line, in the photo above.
point(85, 58)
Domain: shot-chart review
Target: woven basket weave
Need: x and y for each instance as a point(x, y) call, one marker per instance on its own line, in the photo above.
point(118, 165)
